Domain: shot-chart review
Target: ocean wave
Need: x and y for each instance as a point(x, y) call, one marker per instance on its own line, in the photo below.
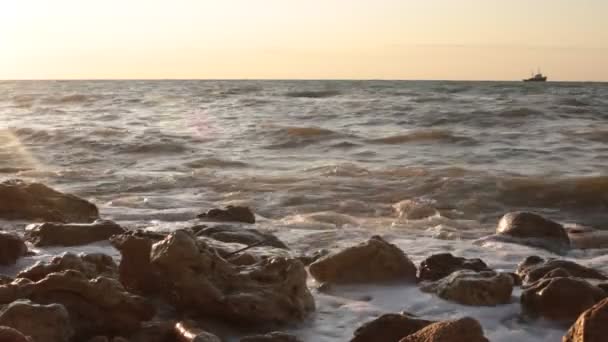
point(159, 147)
point(215, 163)
point(438, 135)
point(66, 99)
point(520, 112)
point(573, 102)
point(292, 137)
point(313, 94)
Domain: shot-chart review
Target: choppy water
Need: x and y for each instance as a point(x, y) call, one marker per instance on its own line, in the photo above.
point(323, 163)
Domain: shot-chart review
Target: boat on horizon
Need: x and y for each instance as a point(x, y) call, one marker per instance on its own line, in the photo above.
point(538, 77)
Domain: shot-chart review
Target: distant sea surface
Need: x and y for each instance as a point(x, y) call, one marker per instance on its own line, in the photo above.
point(325, 163)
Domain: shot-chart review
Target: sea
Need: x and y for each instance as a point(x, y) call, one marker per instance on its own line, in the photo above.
point(325, 165)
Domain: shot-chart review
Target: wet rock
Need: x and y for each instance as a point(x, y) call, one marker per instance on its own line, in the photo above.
point(135, 271)
point(97, 306)
point(189, 332)
point(372, 261)
point(441, 265)
point(230, 214)
point(587, 238)
point(72, 234)
point(468, 287)
point(108, 339)
point(414, 209)
point(11, 248)
point(314, 256)
point(275, 336)
point(389, 328)
point(90, 265)
point(11, 335)
point(194, 278)
point(20, 200)
point(533, 230)
point(534, 268)
point(461, 330)
point(155, 332)
point(48, 323)
point(591, 325)
point(239, 235)
point(560, 299)
point(243, 259)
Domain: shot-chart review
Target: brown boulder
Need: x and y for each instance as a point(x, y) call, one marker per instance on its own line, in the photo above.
point(20, 200)
point(71, 234)
point(189, 332)
point(468, 287)
point(11, 248)
point(230, 214)
point(158, 331)
point(591, 325)
point(136, 272)
point(461, 330)
point(48, 323)
point(372, 261)
point(97, 306)
point(11, 335)
point(560, 299)
point(239, 235)
point(389, 328)
point(90, 265)
point(534, 268)
point(441, 265)
point(533, 230)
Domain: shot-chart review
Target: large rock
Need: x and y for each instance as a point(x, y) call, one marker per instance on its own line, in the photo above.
point(560, 299)
point(239, 235)
point(591, 325)
point(189, 332)
point(90, 265)
point(275, 336)
point(97, 306)
point(72, 234)
point(194, 278)
point(533, 230)
point(534, 268)
point(20, 200)
point(136, 272)
point(8, 334)
point(11, 248)
point(468, 287)
point(389, 328)
point(441, 265)
point(462, 330)
point(374, 261)
point(48, 323)
point(230, 214)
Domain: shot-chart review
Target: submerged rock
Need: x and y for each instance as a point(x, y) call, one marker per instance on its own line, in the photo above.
point(372, 261)
point(48, 323)
point(560, 299)
point(468, 287)
point(534, 268)
point(97, 306)
point(11, 248)
point(414, 209)
point(461, 330)
point(533, 230)
point(90, 265)
point(20, 200)
point(389, 328)
point(591, 325)
point(441, 265)
point(275, 336)
point(11, 335)
point(239, 235)
point(71, 234)
point(230, 214)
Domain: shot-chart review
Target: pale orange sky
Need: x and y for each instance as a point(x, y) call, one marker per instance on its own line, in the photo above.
point(318, 39)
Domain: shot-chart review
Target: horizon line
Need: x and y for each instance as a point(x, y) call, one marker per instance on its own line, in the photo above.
point(294, 79)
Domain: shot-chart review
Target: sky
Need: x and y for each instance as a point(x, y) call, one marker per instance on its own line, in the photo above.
point(304, 39)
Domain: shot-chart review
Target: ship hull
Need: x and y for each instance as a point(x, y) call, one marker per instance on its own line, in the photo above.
point(542, 79)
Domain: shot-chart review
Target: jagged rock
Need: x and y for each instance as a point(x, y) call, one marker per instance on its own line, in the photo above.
point(534, 230)
point(11, 248)
point(468, 287)
point(20, 200)
point(560, 299)
point(194, 278)
point(11, 335)
point(275, 336)
point(136, 272)
point(461, 330)
point(534, 268)
point(71, 234)
point(230, 214)
point(48, 323)
point(96, 306)
point(441, 265)
point(90, 265)
point(414, 209)
point(372, 261)
point(189, 332)
point(389, 328)
point(591, 325)
point(239, 235)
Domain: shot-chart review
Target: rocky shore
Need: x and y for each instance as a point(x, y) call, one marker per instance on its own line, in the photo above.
point(208, 282)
